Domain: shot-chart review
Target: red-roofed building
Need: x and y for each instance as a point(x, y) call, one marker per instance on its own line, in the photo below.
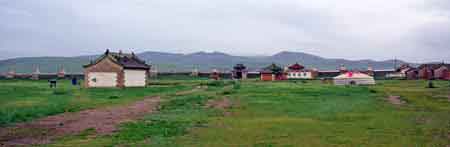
point(297, 71)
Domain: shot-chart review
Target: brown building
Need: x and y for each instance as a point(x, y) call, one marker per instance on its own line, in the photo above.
point(443, 72)
point(272, 73)
point(116, 70)
point(434, 71)
point(412, 74)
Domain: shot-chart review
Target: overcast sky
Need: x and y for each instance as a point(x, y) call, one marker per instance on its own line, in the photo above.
point(413, 30)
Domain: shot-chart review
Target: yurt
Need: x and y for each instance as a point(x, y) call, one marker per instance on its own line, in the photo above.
point(354, 78)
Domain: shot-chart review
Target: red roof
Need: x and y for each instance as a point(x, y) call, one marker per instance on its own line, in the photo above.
point(296, 66)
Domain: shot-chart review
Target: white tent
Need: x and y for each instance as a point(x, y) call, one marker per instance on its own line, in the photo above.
point(354, 78)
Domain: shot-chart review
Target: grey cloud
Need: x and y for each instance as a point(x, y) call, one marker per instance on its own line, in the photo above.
point(348, 29)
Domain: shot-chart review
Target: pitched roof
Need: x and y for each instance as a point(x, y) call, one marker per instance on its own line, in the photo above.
point(403, 67)
point(296, 66)
point(272, 68)
point(128, 61)
point(434, 66)
point(239, 67)
point(411, 70)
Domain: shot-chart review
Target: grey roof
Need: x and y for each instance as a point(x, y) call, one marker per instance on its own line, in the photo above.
point(128, 61)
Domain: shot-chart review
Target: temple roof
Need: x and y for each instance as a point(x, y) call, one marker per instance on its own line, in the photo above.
point(296, 66)
point(272, 68)
point(129, 61)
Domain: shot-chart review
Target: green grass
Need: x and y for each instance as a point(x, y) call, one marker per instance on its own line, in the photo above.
point(288, 113)
point(25, 100)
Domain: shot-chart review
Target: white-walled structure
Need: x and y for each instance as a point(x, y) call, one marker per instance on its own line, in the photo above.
point(354, 78)
point(297, 71)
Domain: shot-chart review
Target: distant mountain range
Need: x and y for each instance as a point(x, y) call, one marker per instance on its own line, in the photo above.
point(204, 61)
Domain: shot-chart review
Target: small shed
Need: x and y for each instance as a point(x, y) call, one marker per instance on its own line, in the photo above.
point(36, 73)
point(342, 69)
point(354, 78)
point(215, 74)
point(194, 72)
point(116, 70)
point(11, 74)
point(272, 72)
point(239, 72)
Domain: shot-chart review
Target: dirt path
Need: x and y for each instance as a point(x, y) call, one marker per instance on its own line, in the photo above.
point(196, 89)
point(395, 100)
point(223, 104)
point(103, 120)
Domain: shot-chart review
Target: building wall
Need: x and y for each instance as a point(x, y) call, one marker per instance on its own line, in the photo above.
point(442, 73)
point(411, 75)
point(102, 79)
point(135, 78)
point(356, 81)
point(104, 66)
point(425, 74)
point(300, 75)
point(267, 77)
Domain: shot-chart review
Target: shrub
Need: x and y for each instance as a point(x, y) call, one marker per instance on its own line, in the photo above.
point(113, 97)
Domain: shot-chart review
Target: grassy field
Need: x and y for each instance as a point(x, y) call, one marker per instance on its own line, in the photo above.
point(263, 114)
point(24, 100)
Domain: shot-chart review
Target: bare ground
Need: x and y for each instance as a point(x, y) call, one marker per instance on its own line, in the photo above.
point(395, 100)
point(221, 104)
point(196, 89)
point(103, 120)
